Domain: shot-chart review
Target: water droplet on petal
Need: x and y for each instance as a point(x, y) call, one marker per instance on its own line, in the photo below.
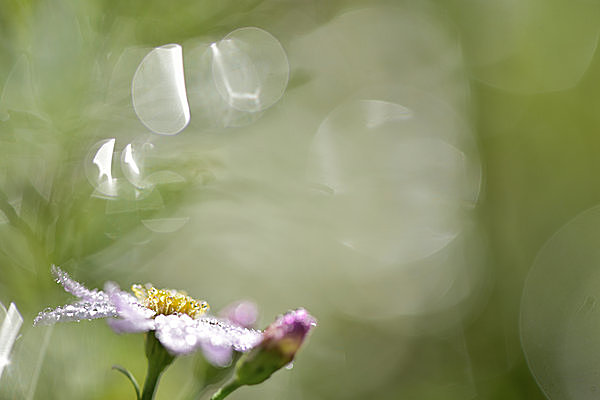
point(159, 93)
point(250, 69)
point(190, 339)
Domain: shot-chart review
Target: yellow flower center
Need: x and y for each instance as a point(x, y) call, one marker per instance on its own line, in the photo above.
point(167, 302)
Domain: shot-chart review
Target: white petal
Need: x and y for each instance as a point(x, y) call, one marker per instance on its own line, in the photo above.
point(75, 312)
point(77, 289)
point(127, 306)
point(181, 334)
point(133, 317)
point(177, 333)
point(218, 333)
point(131, 325)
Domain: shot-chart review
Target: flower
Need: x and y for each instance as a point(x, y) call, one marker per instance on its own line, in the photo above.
point(278, 347)
point(180, 323)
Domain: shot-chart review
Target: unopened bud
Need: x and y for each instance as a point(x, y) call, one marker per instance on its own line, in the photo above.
point(280, 343)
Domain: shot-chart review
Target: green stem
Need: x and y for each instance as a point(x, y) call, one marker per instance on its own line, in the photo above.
point(226, 390)
point(158, 360)
point(152, 378)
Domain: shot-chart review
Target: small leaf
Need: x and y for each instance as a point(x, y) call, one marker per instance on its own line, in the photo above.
point(130, 377)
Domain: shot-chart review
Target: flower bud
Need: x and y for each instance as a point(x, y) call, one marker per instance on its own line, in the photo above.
point(280, 343)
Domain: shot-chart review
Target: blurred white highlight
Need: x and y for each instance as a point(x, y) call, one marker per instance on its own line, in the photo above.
point(250, 69)
point(232, 94)
point(208, 94)
point(8, 334)
point(128, 159)
point(391, 170)
point(99, 169)
point(103, 160)
point(133, 163)
point(101, 173)
point(560, 313)
point(159, 93)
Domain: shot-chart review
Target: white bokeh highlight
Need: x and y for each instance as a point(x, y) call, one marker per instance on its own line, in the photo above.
point(560, 313)
point(8, 334)
point(250, 69)
point(99, 168)
point(158, 91)
point(400, 185)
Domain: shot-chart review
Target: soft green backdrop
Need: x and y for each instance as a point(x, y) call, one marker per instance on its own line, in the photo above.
point(521, 76)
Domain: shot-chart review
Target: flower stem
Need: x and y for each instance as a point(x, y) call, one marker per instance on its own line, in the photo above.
point(150, 384)
point(158, 360)
point(226, 390)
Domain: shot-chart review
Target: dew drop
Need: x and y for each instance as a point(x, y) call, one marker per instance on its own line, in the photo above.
point(190, 339)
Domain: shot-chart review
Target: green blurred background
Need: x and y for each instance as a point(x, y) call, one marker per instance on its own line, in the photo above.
point(411, 245)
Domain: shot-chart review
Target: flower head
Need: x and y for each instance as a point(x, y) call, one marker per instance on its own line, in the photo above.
point(168, 301)
point(280, 343)
point(179, 322)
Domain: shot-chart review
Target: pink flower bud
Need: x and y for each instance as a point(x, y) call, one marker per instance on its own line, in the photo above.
point(280, 343)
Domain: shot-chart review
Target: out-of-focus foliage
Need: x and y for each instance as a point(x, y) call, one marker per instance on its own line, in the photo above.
point(400, 189)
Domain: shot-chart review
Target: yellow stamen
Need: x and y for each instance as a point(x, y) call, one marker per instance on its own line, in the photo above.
point(167, 302)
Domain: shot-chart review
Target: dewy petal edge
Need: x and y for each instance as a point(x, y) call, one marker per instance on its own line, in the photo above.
point(178, 332)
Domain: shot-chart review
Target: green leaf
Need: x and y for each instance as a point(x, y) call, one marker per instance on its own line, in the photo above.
point(130, 377)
